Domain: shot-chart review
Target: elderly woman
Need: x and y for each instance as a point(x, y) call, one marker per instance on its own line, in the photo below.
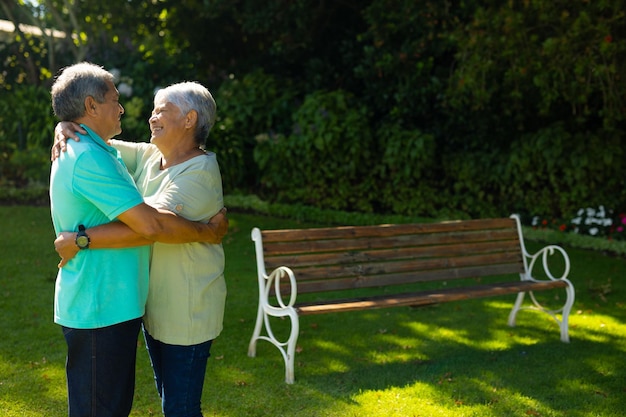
point(187, 293)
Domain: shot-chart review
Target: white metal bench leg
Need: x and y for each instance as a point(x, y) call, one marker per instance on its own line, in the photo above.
point(516, 308)
point(287, 349)
point(257, 332)
point(565, 310)
point(291, 348)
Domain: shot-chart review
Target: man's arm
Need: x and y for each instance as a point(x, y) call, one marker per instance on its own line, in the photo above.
point(165, 227)
point(120, 235)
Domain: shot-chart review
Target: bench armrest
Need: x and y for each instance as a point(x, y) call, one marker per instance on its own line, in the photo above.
point(280, 273)
point(544, 255)
point(274, 278)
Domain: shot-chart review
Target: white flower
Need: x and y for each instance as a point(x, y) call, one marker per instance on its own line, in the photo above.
point(591, 212)
point(593, 231)
point(125, 89)
point(576, 220)
point(116, 74)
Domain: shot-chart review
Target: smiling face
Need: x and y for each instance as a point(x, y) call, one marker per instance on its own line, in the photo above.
point(167, 123)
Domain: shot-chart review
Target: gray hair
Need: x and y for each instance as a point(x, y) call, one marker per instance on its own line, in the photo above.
point(74, 85)
point(189, 96)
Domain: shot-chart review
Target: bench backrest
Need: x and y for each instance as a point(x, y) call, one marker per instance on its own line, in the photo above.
point(339, 258)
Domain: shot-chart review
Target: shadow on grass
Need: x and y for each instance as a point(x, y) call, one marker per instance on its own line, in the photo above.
point(456, 358)
point(32, 350)
point(456, 355)
point(442, 350)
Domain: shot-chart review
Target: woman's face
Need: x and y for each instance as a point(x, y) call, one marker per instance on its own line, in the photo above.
point(167, 123)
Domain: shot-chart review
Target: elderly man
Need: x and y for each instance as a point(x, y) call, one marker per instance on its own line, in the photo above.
point(100, 295)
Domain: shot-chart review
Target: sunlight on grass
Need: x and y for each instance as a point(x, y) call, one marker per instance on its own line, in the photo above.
point(30, 385)
point(397, 401)
point(331, 347)
point(579, 386)
point(496, 340)
point(450, 397)
point(603, 367)
point(419, 399)
point(53, 374)
point(453, 360)
point(332, 354)
point(597, 328)
point(502, 398)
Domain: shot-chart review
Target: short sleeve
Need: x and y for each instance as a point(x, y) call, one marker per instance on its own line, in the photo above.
point(102, 180)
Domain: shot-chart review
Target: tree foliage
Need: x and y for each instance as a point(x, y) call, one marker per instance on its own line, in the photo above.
point(420, 107)
point(560, 59)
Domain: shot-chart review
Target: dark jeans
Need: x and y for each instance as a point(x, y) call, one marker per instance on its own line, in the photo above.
point(100, 369)
point(179, 375)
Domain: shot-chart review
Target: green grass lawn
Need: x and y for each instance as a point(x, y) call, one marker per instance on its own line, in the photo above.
point(455, 359)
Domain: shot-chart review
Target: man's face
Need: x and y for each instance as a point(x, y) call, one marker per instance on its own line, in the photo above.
point(110, 112)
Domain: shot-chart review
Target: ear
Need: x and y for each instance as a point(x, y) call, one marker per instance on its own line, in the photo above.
point(191, 118)
point(90, 106)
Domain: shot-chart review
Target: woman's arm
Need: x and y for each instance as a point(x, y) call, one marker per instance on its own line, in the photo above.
point(119, 235)
point(62, 132)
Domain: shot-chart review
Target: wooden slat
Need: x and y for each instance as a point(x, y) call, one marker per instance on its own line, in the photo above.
point(391, 265)
point(350, 244)
point(353, 257)
point(402, 278)
point(349, 257)
point(425, 297)
point(384, 230)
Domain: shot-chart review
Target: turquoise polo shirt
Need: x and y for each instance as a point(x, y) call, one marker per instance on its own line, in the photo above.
point(90, 185)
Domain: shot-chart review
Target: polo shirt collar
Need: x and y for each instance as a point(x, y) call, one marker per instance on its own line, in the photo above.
point(97, 139)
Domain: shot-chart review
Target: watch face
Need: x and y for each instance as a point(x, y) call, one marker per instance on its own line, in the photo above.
point(82, 241)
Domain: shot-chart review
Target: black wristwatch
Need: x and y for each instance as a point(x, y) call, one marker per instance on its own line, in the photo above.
point(82, 240)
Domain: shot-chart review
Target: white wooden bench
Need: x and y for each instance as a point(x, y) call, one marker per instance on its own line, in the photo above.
point(326, 261)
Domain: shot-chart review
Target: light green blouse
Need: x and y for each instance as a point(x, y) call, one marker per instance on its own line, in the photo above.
point(187, 292)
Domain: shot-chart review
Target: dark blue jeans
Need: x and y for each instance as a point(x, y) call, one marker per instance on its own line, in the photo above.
point(100, 369)
point(179, 375)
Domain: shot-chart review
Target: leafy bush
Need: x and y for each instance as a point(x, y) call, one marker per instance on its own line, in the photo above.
point(407, 172)
point(558, 60)
point(554, 171)
point(327, 159)
point(35, 195)
point(26, 132)
point(405, 106)
point(550, 234)
point(257, 105)
point(472, 183)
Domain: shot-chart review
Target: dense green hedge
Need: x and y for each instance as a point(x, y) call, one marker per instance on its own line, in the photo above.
point(407, 107)
point(26, 127)
point(341, 218)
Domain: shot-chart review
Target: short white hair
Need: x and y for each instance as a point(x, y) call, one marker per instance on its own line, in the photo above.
point(190, 95)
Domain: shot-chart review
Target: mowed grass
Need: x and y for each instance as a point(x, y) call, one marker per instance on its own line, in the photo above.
point(455, 359)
